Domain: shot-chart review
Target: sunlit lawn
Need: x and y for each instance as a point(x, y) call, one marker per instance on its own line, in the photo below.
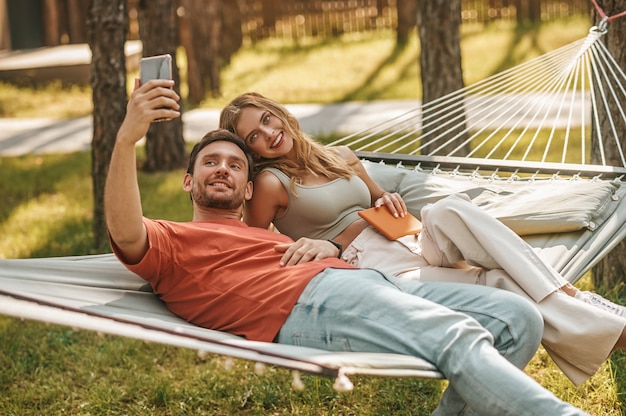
point(353, 67)
point(46, 210)
point(54, 370)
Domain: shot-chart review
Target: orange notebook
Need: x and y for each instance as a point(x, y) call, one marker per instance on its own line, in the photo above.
point(390, 226)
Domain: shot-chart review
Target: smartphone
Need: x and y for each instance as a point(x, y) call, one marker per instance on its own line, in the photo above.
point(155, 67)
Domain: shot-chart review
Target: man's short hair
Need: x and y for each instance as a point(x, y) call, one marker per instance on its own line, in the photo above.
point(220, 135)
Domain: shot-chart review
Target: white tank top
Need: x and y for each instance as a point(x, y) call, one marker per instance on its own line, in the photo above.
point(321, 211)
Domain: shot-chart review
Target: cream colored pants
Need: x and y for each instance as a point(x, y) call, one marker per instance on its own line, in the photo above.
point(579, 337)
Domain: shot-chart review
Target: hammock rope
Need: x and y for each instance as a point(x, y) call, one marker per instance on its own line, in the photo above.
point(602, 14)
point(538, 117)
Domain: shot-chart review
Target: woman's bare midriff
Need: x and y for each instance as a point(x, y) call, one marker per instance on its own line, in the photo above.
point(350, 232)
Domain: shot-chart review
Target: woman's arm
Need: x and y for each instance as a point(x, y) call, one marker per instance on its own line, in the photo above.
point(380, 197)
point(269, 200)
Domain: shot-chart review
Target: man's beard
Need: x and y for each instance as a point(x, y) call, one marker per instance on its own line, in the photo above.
point(220, 201)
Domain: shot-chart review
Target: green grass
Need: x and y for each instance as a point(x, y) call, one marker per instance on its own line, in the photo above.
point(352, 67)
point(46, 210)
point(50, 101)
point(364, 67)
point(56, 370)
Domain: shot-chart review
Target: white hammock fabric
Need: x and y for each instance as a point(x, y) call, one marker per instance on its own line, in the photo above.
point(96, 292)
point(571, 222)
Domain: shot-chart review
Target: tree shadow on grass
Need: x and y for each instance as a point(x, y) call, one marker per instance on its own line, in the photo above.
point(64, 182)
point(71, 237)
point(27, 177)
point(287, 55)
point(514, 54)
point(365, 92)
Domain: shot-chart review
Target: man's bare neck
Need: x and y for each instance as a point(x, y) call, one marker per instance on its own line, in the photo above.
point(210, 214)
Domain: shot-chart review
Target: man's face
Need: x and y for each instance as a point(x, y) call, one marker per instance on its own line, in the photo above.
point(220, 178)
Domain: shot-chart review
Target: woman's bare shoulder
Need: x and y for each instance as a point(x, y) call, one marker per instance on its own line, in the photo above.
point(345, 152)
point(267, 179)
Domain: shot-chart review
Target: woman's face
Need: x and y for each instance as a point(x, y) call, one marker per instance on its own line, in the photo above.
point(264, 133)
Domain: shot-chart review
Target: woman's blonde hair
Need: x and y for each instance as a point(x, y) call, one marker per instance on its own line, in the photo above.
point(311, 155)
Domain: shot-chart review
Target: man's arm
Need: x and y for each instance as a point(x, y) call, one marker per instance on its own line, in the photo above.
point(122, 202)
point(306, 249)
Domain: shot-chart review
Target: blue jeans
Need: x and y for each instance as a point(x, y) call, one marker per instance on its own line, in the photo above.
point(478, 337)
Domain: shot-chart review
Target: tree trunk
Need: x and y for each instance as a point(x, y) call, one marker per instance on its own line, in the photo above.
point(438, 23)
point(107, 25)
point(232, 33)
point(534, 11)
point(199, 20)
point(407, 20)
point(611, 271)
point(214, 60)
point(270, 10)
point(51, 30)
point(158, 29)
point(76, 10)
point(212, 33)
point(195, 76)
point(5, 35)
point(528, 11)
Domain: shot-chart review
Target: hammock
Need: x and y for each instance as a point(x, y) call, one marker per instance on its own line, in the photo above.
point(570, 211)
point(96, 292)
point(519, 144)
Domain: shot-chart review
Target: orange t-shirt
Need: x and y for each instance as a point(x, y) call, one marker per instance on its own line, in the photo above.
point(224, 275)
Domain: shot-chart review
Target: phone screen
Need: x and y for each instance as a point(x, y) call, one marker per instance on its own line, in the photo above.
point(155, 67)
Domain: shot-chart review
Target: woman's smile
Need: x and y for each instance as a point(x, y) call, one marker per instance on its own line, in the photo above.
point(278, 141)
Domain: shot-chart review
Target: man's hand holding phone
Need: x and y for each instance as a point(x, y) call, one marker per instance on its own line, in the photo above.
point(156, 82)
point(154, 101)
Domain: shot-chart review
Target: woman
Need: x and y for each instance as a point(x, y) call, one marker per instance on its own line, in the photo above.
point(308, 190)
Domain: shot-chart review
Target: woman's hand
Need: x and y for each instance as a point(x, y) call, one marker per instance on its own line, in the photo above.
point(394, 203)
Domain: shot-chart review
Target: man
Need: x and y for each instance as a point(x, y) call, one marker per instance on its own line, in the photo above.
point(217, 272)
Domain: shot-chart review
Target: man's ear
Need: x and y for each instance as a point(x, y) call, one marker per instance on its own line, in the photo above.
point(187, 182)
point(249, 189)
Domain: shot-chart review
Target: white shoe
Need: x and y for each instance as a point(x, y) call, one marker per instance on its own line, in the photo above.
point(598, 301)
